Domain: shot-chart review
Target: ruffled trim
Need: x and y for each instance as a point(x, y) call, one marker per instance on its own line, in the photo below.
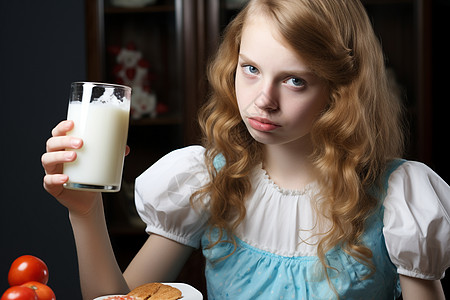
point(283, 191)
point(419, 274)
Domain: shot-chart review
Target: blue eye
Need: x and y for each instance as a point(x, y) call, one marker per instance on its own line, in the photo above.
point(295, 82)
point(249, 69)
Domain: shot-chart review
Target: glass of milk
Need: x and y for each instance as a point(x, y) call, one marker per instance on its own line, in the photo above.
point(100, 112)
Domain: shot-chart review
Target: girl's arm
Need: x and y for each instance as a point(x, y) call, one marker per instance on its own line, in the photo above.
point(160, 259)
point(99, 272)
point(420, 289)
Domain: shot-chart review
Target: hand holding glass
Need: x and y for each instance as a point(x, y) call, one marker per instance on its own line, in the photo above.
point(100, 113)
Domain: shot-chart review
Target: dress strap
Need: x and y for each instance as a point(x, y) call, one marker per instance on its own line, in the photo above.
point(381, 192)
point(219, 161)
point(390, 168)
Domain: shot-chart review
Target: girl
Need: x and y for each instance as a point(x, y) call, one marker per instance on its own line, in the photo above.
point(297, 192)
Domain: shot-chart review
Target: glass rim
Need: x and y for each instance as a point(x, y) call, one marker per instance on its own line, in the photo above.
point(102, 84)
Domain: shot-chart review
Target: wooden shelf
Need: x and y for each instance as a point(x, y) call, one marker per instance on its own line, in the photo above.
point(162, 120)
point(234, 5)
point(139, 10)
point(386, 2)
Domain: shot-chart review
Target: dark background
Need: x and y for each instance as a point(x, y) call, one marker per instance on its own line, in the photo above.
point(42, 50)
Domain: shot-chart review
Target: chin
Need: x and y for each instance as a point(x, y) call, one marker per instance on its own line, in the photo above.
point(265, 138)
point(270, 138)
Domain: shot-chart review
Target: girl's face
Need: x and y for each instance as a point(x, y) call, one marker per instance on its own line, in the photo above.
point(279, 98)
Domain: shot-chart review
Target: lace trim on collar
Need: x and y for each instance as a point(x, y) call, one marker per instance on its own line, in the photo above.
point(287, 192)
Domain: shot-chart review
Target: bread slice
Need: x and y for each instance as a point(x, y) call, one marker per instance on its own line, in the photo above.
point(166, 292)
point(155, 291)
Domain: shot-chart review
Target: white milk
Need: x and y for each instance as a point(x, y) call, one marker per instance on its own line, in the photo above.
point(103, 128)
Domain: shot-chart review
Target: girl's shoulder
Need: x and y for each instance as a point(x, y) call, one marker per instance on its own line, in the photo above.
point(185, 165)
point(416, 220)
point(163, 191)
point(183, 158)
point(410, 169)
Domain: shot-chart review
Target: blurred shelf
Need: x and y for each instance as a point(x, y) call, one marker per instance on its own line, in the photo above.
point(387, 2)
point(139, 10)
point(157, 121)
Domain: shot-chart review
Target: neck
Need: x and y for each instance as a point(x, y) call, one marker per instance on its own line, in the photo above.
point(289, 165)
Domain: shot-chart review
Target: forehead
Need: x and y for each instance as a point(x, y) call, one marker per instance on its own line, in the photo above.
point(262, 42)
point(259, 25)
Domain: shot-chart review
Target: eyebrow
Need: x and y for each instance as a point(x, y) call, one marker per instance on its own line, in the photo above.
point(293, 72)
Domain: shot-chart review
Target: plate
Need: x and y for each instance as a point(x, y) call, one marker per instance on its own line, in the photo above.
point(188, 292)
point(107, 297)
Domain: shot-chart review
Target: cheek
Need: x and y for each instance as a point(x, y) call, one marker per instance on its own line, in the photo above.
point(307, 112)
point(243, 94)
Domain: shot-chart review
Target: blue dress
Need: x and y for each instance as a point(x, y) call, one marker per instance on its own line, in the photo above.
point(251, 273)
point(275, 254)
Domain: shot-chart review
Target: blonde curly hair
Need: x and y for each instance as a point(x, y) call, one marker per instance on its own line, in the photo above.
point(360, 131)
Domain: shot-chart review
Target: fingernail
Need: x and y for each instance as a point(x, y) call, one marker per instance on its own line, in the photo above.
point(76, 143)
point(68, 124)
point(69, 155)
point(63, 178)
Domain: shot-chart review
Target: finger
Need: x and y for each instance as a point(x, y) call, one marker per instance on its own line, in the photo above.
point(58, 143)
point(54, 183)
point(62, 128)
point(52, 161)
point(53, 180)
point(127, 150)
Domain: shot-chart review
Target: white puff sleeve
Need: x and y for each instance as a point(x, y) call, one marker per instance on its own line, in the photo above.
point(162, 195)
point(416, 221)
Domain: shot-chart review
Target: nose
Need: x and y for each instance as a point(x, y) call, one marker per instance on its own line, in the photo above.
point(267, 100)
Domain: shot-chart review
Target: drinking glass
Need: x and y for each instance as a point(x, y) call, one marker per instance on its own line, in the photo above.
point(100, 112)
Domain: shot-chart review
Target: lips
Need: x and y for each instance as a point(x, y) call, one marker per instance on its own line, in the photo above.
point(262, 124)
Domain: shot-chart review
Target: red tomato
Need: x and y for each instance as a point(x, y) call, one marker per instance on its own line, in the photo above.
point(19, 293)
point(43, 291)
point(27, 268)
